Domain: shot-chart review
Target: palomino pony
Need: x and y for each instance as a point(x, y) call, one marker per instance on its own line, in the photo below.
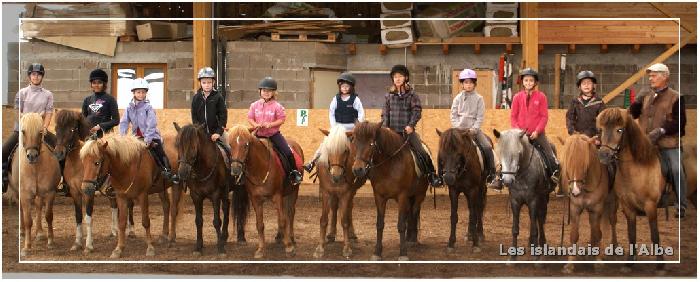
point(338, 187)
point(71, 131)
point(460, 161)
point(204, 170)
point(254, 161)
point(39, 173)
point(133, 176)
point(384, 157)
point(638, 179)
point(588, 188)
point(523, 172)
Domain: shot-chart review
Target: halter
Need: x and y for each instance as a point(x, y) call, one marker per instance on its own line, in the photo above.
point(100, 180)
point(375, 148)
point(518, 171)
point(616, 150)
point(244, 168)
point(191, 164)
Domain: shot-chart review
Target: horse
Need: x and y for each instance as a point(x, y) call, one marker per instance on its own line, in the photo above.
point(462, 164)
point(133, 177)
point(72, 129)
point(523, 172)
point(587, 183)
point(204, 170)
point(690, 153)
point(384, 157)
point(639, 182)
point(338, 187)
point(253, 165)
point(39, 172)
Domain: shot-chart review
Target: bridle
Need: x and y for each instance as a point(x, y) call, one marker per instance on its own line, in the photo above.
point(244, 169)
point(191, 161)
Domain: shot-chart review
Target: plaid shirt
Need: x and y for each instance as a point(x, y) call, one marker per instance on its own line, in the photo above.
point(401, 110)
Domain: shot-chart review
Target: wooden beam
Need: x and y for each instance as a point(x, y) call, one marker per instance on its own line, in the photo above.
point(572, 48)
point(446, 49)
point(475, 40)
point(477, 48)
point(414, 48)
point(201, 39)
point(636, 48)
point(352, 48)
point(383, 49)
point(530, 35)
point(668, 13)
point(540, 48)
point(557, 79)
point(509, 48)
point(603, 48)
point(665, 55)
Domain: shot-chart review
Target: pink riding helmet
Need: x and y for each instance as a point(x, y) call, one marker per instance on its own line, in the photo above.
point(467, 73)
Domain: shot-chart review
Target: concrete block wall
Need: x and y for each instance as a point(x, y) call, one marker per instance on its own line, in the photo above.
point(290, 63)
point(68, 69)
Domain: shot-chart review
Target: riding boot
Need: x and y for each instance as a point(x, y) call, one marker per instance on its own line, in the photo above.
point(496, 184)
point(167, 171)
point(310, 165)
point(5, 176)
point(63, 186)
point(434, 179)
point(226, 147)
point(295, 176)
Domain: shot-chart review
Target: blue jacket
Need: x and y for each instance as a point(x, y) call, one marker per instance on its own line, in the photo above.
point(142, 116)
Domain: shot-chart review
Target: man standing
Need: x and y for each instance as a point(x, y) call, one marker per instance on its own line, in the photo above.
point(661, 115)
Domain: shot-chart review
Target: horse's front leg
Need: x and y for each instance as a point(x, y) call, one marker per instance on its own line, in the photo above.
point(381, 211)
point(165, 204)
point(89, 207)
point(146, 222)
point(404, 209)
point(39, 205)
point(323, 224)
point(454, 218)
point(49, 220)
point(198, 221)
point(334, 218)
point(25, 207)
point(346, 217)
point(78, 207)
point(632, 237)
point(650, 210)
point(575, 212)
point(122, 207)
point(176, 193)
point(515, 229)
point(225, 204)
point(472, 202)
point(260, 225)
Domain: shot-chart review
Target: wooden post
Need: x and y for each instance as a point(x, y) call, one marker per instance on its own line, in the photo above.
point(530, 34)
point(604, 48)
point(557, 80)
point(572, 48)
point(665, 55)
point(414, 48)
point(446, 49)
point(201, 38)
point(383, 49)
point(635, 48)
point(352, 48)
point(477, 48)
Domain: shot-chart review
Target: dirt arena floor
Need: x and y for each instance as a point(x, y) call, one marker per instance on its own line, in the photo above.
point(433, 240)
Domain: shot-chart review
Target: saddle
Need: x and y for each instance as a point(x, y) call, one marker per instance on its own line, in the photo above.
point(420, 165)
point(279, 157)
point(548, 167)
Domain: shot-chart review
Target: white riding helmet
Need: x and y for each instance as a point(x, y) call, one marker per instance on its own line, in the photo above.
point(139, 83)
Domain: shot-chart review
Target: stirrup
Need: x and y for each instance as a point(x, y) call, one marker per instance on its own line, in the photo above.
point(108, 191)
point(309, 166)
point(295, 177)
point(435, 180)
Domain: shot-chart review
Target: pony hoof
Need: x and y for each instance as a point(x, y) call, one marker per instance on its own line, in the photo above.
point(197, 253)
point(162, 240)
point(403, 258)
point(259, 254)
point(330, 238)
point(113, 234)
point(375, 258)
point(88, 250)
point(319, 252)
point(290, 252)
point(347, 253)
point(626, 269)
point(116, 254)
point(476, 250)
point(150, 252)
point(450, 250)
point(568, 268)
point(75, 247)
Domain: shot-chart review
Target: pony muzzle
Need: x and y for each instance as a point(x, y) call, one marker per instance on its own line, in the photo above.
point(184, 171)
point(360, 172)
point(450, 178)
point(89, 188)
point(32, 155)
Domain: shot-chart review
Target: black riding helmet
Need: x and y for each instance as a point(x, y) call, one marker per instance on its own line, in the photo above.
point(346, 77)
point(399, 69)
point(35, 67)
point(585, 74)
point(529, 71)
point(267, 83)
point(98, 74)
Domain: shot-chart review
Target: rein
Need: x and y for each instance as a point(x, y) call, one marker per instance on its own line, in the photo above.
point(213, 167)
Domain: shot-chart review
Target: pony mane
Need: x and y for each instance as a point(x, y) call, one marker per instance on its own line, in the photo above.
point(124, 148)
point(385, 138)
point(32, 124)
point(452, 140)
point(335, 143)
point(575, 147)
point(68, 118)
point(635, 139)
point(241, 131)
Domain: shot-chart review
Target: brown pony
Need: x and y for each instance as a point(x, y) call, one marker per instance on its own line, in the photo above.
point(690, 154)
point(588, 188)
point(204, 170)
point(253, 164)
point(638, 179)
point(71, 131)
point(458, 159)
point(338, 187)
point(40, 173)
point(384, 157)
point(133, 176)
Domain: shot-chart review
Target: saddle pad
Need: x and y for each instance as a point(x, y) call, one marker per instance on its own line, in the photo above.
point(298, 162)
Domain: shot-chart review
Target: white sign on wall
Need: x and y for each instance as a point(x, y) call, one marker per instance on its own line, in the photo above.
point(302, 117)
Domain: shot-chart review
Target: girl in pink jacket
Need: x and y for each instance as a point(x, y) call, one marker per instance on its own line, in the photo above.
point(529, 113)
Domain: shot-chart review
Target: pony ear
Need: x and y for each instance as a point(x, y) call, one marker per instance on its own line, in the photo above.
point(522, 133)
point(325, 132)
point(348, 133)
point(177, 127)
point(251, 129)
point(104, 145)
point(496, 133)
point(378, 126)
point(439, 133)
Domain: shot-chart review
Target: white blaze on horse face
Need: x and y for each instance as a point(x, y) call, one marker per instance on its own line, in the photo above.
point(238, 138)
point(575, 191)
